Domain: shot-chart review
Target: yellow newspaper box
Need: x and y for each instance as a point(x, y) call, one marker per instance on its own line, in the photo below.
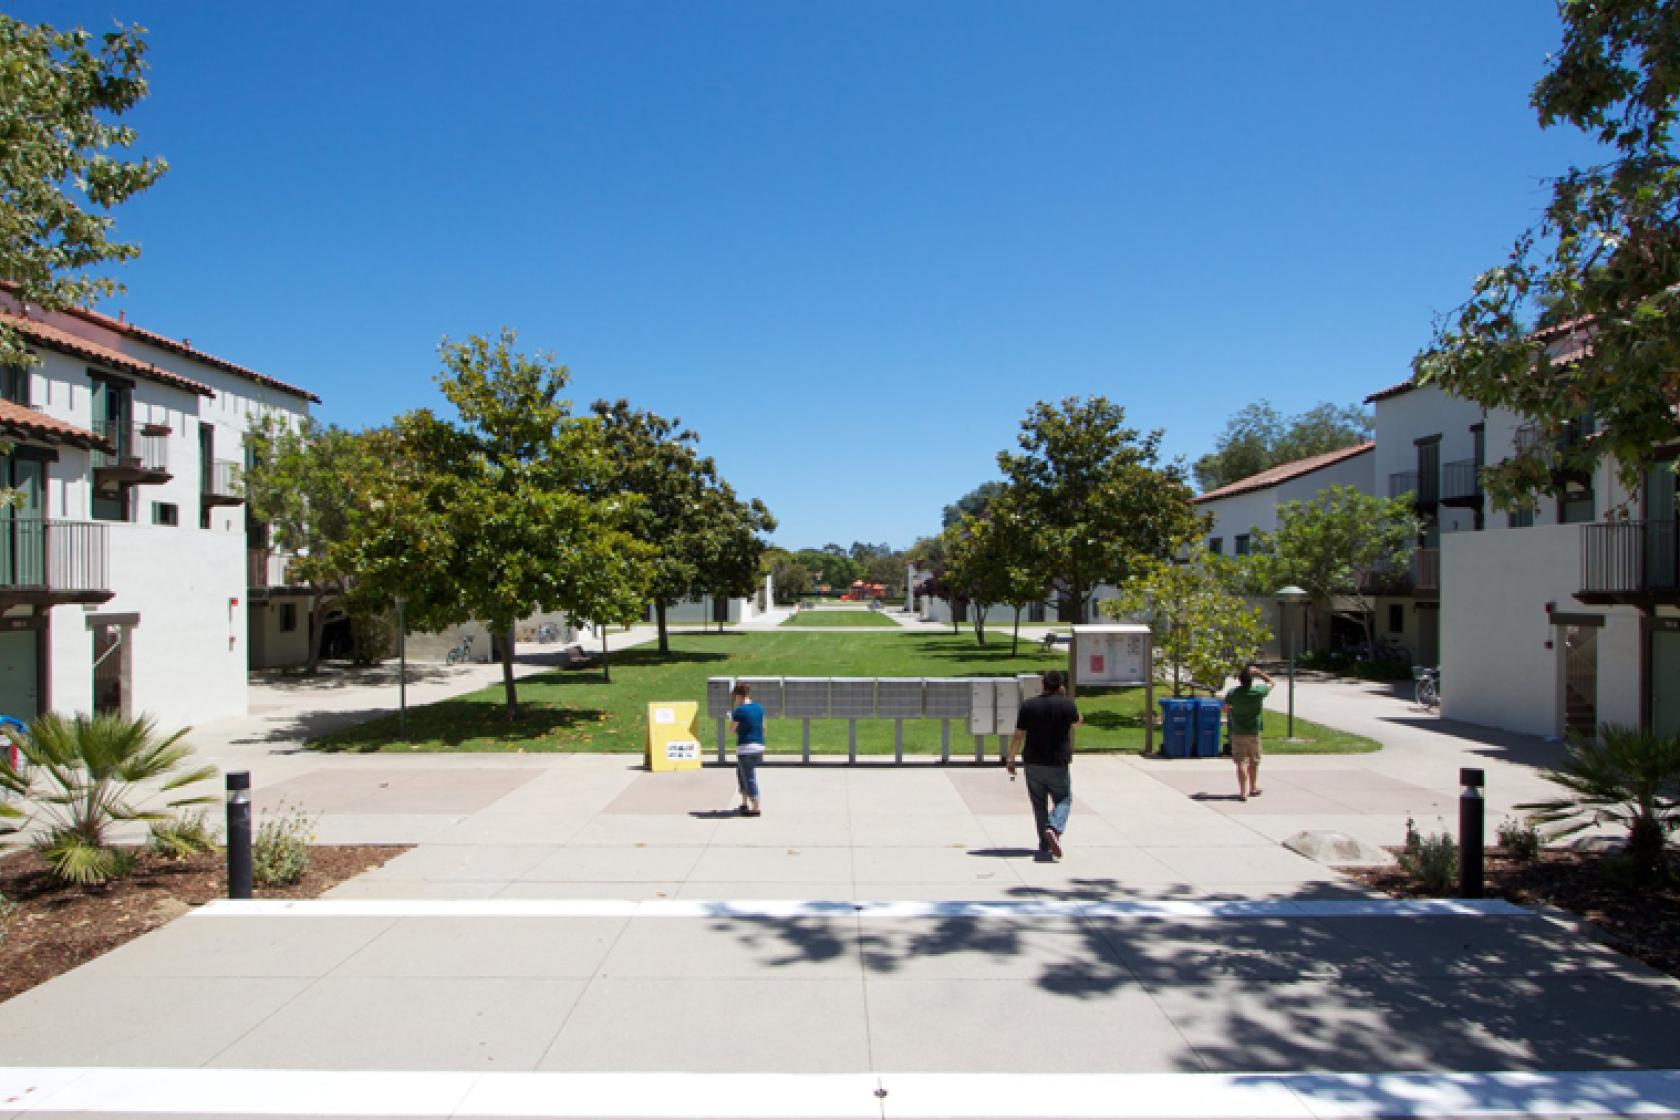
point(671, 742)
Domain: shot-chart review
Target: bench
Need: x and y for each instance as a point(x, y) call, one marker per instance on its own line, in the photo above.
point(1053, 639)
point(576, 657)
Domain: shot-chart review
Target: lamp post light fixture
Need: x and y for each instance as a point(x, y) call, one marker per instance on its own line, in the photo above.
point(402, 669)
point(1287, 597)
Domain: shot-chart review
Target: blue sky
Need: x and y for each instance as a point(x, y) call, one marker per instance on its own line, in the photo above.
point(852, 243)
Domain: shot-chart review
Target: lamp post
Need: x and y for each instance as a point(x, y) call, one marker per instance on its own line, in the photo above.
point(1288, 597)
point(402, 669)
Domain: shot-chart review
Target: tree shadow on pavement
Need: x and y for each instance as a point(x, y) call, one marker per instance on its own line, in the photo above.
point(1279, 991)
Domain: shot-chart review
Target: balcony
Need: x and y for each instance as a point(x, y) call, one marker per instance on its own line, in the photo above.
point(1401, 483)
point(1461, 483)
point(220, 485)
point(49, 562)
point(141, 456)
point(1632, 562)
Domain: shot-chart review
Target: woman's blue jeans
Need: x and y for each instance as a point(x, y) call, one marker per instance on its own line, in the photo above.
point(746, 772)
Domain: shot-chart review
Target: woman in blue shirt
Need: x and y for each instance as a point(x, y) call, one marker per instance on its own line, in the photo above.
point(749, 746)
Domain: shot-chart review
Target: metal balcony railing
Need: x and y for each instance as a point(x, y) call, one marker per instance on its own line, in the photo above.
point(53, 556)
point(1630, 558)
point(140, 448)
point(223, 480)
point(1461, 480)
point(1401, 483)
point(257, 566)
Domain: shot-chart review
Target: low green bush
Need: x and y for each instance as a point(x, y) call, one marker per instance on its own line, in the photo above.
point(1431, 860)
point(186, 835)
point(280, 852)
point(1519, 839)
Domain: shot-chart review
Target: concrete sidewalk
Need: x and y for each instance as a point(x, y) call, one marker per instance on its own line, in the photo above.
point(569, 926)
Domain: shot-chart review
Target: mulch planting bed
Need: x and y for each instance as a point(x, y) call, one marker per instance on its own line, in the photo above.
point(57, 926)
point(1641, 921)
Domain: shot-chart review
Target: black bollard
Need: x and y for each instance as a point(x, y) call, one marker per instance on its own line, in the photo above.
point(1470, 839)
point(239, 834)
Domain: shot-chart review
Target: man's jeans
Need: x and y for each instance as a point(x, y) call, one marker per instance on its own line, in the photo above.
point(1050, 788)
point(746, 772)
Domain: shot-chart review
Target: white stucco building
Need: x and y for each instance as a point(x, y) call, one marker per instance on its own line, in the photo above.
point(1555, 618)
point(127, 580)
point(1240, 510)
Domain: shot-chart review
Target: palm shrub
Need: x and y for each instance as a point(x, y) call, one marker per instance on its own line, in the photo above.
point(1627, 777)
point(81, 776)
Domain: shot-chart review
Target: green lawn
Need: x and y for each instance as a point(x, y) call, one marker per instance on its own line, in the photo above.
point(579, 711)
point(840, 618)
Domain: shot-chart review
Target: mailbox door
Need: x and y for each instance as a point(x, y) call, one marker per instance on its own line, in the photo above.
point(1008, 704)
point(982, 710)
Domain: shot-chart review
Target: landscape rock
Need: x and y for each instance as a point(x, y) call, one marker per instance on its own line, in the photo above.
point(1337, 849)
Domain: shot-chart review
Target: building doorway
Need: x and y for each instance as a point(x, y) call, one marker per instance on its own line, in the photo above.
point(1579, 649)
point(1665, 681)
point(1428, 634)
point(20, 674)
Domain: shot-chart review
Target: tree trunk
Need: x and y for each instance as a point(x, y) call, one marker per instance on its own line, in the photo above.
point(1015, 642)
point(659, 616)
point(317, 624)
point(979, 625)
point(507, 676)
point(606, 667)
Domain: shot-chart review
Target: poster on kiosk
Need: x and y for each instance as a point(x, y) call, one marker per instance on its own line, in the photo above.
point(1118, 654)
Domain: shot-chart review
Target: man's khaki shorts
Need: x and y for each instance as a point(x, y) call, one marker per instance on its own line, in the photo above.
point(1245, 748)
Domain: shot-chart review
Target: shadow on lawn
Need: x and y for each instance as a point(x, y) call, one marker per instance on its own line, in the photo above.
point(1266, 992)
point(451, 723)
point(993, 650)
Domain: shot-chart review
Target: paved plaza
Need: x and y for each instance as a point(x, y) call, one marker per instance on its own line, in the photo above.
point(573, 936)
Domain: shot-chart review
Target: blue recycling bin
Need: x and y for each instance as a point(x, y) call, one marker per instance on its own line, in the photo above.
point(1207, 727)
point(1177, 720)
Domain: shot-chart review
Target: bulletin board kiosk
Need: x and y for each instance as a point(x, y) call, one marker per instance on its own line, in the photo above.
point(1115, 655)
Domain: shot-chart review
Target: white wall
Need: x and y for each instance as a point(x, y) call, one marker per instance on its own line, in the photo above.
point(1495, 667)
point(1256, 511)
point(186, 657)
point(1418, 414)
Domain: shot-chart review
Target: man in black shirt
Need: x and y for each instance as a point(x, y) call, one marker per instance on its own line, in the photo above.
point(1046, 723)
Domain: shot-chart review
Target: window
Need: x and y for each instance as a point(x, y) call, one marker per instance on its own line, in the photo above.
point(1216, 545)
point(288, 617)
point(1520, 518)
point(14, 384)
point(1575, 504)
point(165, 513)
point(1239, 545)
point(1396, 618)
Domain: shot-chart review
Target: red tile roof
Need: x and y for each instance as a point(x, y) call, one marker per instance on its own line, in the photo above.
point(1283, 472)
point(23, 422)
point(1405, 386)
point(54, 338)
point(186, 350)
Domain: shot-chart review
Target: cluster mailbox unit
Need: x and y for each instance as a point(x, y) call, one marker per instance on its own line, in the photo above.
point(987, 704)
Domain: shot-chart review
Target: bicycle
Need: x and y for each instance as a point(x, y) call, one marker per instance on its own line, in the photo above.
point(1428, 687)
point(547, 633)
point(461, 652)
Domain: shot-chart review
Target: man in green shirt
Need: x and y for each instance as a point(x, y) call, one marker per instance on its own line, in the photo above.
point(1245, 705)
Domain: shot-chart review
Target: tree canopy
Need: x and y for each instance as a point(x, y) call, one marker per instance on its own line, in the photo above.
point(1201, 625)
point(510, 509)
point(63, 166)
point(1259, 437)
point(1600, 271)
point(1096, 495)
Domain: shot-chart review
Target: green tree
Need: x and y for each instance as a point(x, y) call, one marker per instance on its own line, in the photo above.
point(836, 569)
point(1340, 547)
point(734, 545)
point(1096, 494)
point(1259, 437)
point(998, 560)
point(681, 499)
point(1200, 623)
point(62, 162)
point(971, 504)
point(1600, 271)
point(508, 511)
point(311, 484)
